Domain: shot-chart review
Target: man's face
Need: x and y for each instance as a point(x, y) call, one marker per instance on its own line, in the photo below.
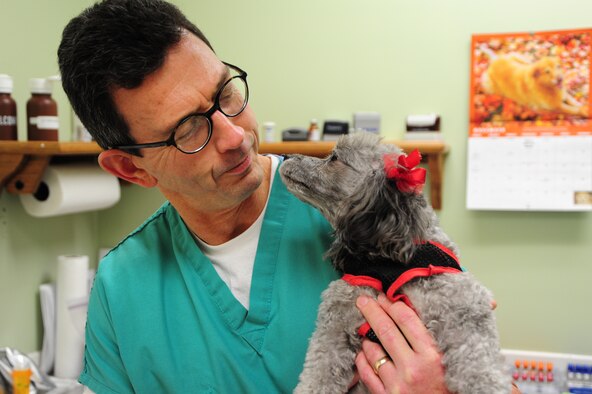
point(227, 170)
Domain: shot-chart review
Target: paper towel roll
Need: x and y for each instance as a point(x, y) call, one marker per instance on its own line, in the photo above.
point(70, 188)
point(71, 285)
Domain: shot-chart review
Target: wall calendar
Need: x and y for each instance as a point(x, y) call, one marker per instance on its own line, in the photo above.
point(530, 133)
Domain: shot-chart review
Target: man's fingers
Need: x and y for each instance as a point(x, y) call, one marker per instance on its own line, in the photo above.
point(415, 365)
point(367, 375)
point(409, 324)
point(385, 328)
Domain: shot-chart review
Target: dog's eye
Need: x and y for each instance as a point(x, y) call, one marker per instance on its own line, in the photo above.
point(333, 157)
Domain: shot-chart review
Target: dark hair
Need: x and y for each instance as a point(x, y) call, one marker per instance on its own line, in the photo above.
point(116, 43)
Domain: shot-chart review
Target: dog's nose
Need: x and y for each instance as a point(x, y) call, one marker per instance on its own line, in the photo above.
point(286, 157)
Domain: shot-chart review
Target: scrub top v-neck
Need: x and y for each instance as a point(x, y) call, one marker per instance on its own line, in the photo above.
point(162, 320)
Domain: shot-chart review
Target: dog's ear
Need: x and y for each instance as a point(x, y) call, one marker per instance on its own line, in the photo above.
point(383, 221)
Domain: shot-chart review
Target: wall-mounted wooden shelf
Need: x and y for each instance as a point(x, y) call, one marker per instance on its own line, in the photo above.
point(22, 163)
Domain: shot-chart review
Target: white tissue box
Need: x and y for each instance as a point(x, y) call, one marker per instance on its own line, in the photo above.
point(427, 122)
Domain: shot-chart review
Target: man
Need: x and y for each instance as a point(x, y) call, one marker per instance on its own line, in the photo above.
point(218, 290)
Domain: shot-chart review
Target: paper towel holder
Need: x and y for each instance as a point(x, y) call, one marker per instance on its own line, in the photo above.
point(23, 163)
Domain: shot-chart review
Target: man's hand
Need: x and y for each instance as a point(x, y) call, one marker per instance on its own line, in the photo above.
point(414, 364)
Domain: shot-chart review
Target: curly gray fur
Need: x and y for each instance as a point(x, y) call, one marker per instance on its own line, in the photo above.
point(372, 218)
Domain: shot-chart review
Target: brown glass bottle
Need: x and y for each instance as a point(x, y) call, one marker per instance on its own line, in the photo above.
point(8, 118)
point(42, 112)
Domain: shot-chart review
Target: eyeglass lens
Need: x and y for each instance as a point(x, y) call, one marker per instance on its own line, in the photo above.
point(194, 132)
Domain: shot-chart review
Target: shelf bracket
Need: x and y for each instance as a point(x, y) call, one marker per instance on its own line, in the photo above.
point(9, 166)
point(22, 173)
point(436, 168)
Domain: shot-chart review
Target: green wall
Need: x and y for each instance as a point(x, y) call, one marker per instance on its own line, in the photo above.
point(326, 59)
point(29, 35)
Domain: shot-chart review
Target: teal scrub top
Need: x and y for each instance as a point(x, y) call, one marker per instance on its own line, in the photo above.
point(160, 319)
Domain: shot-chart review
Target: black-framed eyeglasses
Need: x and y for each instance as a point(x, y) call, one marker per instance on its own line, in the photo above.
point(194, 131)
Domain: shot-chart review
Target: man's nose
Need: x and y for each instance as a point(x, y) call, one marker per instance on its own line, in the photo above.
point(226, 133)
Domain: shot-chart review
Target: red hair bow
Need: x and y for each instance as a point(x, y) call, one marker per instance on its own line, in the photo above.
point(407, 177)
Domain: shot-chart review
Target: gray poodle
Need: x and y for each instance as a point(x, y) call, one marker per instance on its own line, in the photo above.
point(384, 229)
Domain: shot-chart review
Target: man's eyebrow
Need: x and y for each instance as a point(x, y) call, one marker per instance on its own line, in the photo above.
point(223, 78)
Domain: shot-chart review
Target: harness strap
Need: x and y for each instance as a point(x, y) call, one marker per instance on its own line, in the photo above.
point(418, 269)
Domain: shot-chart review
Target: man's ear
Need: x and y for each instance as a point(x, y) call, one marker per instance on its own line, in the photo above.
point(121, 164)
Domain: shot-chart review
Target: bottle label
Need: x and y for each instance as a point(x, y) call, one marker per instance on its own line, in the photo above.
point(47, 122)
point(7, 120)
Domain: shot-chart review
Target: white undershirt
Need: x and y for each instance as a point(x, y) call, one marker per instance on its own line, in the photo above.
point(234, 260)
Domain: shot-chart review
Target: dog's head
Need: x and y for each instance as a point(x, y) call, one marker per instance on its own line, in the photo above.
point(351, 188)
point(547, 72)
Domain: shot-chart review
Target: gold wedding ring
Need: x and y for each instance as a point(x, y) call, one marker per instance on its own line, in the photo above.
point(380, 363)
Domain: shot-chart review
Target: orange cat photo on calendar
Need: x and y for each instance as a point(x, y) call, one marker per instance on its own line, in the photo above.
point(530, 77)
point(537, 84)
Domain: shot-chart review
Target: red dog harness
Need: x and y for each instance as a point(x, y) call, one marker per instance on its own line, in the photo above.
point(430, 258)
